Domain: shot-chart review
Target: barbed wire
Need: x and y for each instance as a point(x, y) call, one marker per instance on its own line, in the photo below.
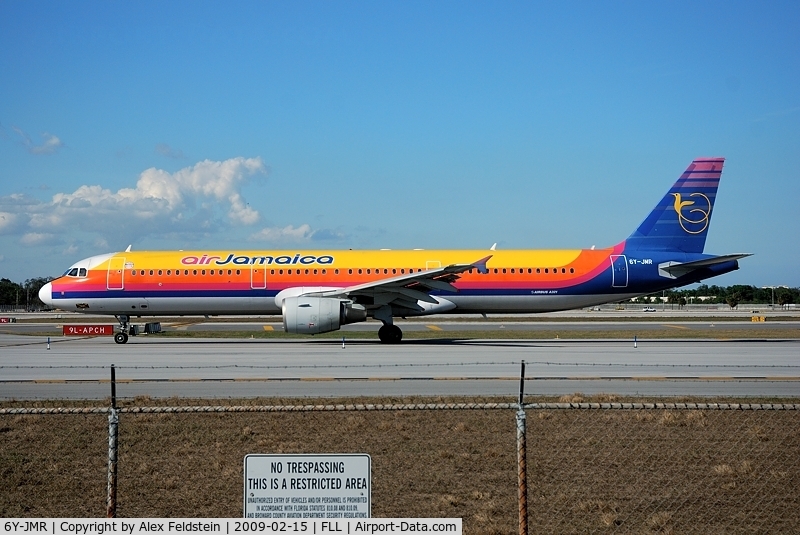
point(403, 407)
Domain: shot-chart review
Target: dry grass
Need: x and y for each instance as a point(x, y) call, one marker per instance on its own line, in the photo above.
point(588, 471)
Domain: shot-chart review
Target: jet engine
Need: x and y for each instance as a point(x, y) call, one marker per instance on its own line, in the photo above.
point(314, 315)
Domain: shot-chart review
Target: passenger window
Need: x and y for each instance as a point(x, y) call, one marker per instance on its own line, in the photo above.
point(151, 272)
point(572, 270)
point(368, 272)
point(563, 270)
point(504, 270)
point(238, 271)
point(315, 271)
point(169, 272)
point(538, 270)
point(495, 270)
point(349, 271)
point(194, 272)
point(546, 270)
point(185, 271)
point(359, 272)
point(133, 272)
point(271, 271)
point(512, 270)
point(203, 272)
point(229, 272)
point(306, 272)
point(280, 272)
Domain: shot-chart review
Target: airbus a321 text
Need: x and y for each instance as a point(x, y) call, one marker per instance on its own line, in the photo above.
point(319, 291)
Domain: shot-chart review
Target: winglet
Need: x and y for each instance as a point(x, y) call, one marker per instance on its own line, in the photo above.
point(481, 265)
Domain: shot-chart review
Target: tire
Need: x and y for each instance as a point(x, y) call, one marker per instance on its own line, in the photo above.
point(120, 338)
point(390, 334)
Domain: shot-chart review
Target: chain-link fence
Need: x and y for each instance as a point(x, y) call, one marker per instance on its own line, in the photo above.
point(591, 467)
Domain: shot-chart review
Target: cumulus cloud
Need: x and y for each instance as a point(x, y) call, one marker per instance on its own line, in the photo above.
point(49, 145)
point(185, 202)
point(8, 222)
point(285, 234)
point(295, 234)
point(38, 238)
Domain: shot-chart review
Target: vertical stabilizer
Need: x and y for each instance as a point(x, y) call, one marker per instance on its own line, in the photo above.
point(680, 221)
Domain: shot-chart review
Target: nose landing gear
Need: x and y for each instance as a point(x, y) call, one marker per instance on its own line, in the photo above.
point(122, 336)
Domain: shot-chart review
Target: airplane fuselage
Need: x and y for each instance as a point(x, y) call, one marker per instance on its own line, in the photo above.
point(247, 282)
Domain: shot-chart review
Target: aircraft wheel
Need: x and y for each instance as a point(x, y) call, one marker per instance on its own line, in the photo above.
point(120, 338)
point(390, 334)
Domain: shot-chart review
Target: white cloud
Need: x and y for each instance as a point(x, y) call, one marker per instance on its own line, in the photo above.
point(37, 238)
point(185, 202)
point(165, 150)
point(285, 234)
point(50, 143)
point(7, 222)
point(295, 234)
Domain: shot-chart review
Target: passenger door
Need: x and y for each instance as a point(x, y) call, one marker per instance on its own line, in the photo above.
point(619, 271)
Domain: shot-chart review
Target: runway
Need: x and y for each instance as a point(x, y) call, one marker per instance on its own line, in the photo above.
point(742, 327)
point(204, 368)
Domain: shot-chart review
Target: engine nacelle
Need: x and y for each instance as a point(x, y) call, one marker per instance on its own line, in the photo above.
point(314, 315)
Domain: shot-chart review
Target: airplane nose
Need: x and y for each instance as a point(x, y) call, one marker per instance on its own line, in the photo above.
point(46, 294)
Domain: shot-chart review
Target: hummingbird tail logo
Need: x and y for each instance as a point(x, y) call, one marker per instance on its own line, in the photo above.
point(696, 218)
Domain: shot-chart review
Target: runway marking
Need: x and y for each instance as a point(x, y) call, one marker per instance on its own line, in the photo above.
point(434, 327)
point(676, 326)
point(269, 328)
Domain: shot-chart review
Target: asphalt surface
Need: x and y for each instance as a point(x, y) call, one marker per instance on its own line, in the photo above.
point(665, 324)
point(79, 368)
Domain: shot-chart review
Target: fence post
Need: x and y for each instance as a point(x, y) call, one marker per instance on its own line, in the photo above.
point(522, 468)
point(113, 428)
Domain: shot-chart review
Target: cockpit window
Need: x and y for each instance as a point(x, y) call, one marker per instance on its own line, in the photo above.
point(75, 272)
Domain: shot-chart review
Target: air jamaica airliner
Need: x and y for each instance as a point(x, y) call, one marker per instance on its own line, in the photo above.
point(319, 291)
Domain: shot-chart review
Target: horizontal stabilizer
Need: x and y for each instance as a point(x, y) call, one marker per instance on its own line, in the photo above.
point(674, 270)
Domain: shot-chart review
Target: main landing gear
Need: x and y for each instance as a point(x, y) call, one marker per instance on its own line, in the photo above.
point(122, 336)
point(390, 334)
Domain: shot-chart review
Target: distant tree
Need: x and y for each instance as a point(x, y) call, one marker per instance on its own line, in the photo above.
point(733, 300)
point(746, 293)
point(32, 287)
point(785, 298)
point(682, 302)
point(10, 292)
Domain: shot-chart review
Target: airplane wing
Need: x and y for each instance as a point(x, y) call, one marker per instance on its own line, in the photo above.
point(673, 270)
point(406, 290)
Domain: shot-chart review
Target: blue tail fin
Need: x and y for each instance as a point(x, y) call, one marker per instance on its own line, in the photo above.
point(680, 221)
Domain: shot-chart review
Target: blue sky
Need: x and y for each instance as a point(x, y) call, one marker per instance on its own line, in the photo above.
point(391, 125)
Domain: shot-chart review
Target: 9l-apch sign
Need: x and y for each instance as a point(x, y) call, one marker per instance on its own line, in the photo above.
point(308, 486)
